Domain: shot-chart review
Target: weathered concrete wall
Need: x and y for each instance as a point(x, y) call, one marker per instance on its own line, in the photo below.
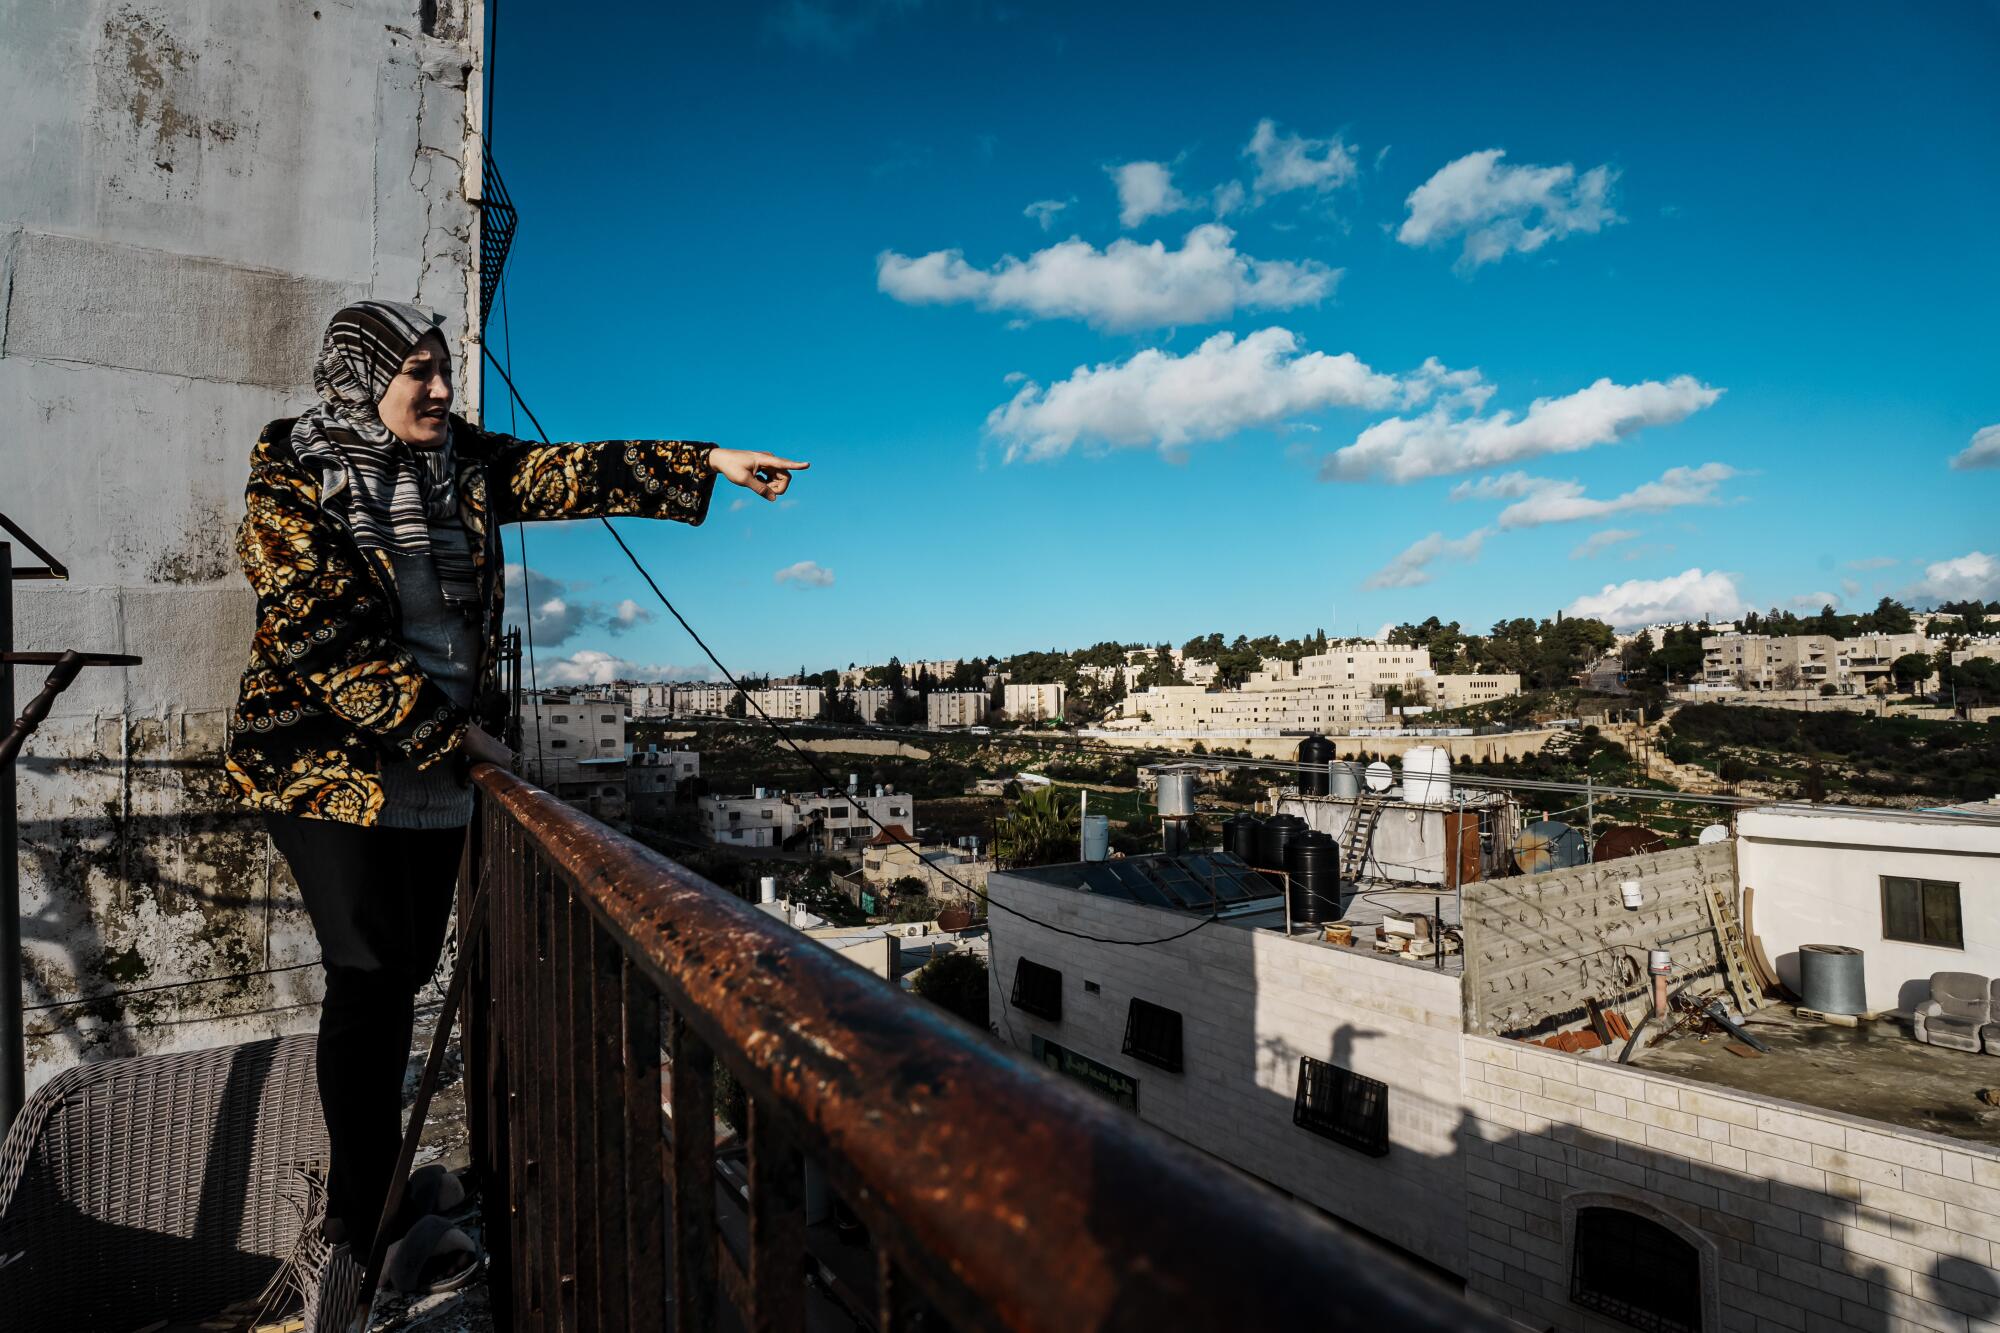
point(1537, 945)
point(1252, 1003)
point(1463, 749)
point(1803, 1219)
point(186, 193)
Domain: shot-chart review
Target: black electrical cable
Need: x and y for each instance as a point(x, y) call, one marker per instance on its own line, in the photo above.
point(825, 778)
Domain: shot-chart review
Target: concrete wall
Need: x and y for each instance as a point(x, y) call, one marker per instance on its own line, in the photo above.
point(1818, 880)
point(1805, 1219)
point(1506, 745)
point(186, 193)
point(1537, 945)
point(1252, 1003)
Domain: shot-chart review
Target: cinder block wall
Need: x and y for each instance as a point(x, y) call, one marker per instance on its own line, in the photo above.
point(186, 193)
point(1806, 1219)
point(1538, 945)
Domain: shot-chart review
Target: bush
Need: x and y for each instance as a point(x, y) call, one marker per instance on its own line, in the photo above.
point(956, 983)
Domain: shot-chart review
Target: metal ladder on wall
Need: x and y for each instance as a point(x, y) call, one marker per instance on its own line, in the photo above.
point(1359, 836)
point(1730, 945)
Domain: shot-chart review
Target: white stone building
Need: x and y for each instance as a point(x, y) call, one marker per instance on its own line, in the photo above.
point(957, 708)
point(788, 702)
point(1860, 665)
point(573, 744)
point(653, 776)
point(187, 192)
point(1034, 703)
point(825, 820)
point(1464, 691)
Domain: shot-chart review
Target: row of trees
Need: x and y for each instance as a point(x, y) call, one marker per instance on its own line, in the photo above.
point(1546, 654)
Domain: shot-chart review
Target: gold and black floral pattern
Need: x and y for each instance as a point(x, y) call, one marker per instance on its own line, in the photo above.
point(329, 691)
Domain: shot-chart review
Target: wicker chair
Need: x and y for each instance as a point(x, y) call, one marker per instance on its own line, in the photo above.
point(158, 1186)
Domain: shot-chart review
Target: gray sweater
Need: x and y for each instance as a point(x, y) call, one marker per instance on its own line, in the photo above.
point(444, 640)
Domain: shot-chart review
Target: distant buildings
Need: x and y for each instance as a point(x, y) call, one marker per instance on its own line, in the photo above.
point(1467, 690)
point(653, 777)
point(826, 821)
point(1859, 665)
point(946, 871)
point(957, 708)
point(1033, 703)
point(573, 744)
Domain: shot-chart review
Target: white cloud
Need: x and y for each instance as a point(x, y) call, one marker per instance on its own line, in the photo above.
point(1411, 568)
point(1503, 486)
point(1974, 574)
point(1126, 285)
point(1813, 601)
point(1984, 451)
point(591, 666)
point(1044, 211)
point(1223, 386)
point(1564, 501)
point(1850, 588)
point(1146, 190)
point(1599, 542)
point(627, 615)
point(1688, 595)
point(1501, 209)
point(561, 612)
point(1446, 440)
point(804, 574)
point(1287, 161)
point(1228, 197)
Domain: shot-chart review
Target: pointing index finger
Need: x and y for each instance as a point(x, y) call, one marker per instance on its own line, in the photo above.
point(772, 460)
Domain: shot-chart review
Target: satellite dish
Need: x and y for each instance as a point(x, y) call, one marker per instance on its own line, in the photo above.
point(1549, 844)
point(1714, 833)
point(1379, 776)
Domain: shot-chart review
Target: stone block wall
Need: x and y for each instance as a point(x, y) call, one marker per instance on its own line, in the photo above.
point(1804, 1219)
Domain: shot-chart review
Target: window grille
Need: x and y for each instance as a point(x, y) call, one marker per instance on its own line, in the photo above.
point(1635, 1270)
point(1153, 1034)
point(1038, 990)
point(1342, 1105)
point(497, 220)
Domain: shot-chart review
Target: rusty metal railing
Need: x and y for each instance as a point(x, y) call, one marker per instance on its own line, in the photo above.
point(994, 1196)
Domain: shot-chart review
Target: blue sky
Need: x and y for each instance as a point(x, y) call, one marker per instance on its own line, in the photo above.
point(1744, 252)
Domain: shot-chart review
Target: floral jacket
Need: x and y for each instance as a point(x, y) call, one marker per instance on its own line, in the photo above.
point(329, 689)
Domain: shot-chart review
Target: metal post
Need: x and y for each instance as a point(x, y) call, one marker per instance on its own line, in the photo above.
point(13, 1067)
point(1589, 816)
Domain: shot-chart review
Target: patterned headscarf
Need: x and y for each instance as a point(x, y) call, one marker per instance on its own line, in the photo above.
point(395, 497)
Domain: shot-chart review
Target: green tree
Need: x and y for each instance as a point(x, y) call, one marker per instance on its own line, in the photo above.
point(1890, 617)
point(1910, 669)
point(1041, 829)
point(956, 983)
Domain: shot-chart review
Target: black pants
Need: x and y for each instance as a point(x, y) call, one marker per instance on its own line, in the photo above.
point(379, 899)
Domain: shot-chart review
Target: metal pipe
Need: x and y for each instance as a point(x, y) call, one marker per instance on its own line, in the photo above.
point(13, 1070)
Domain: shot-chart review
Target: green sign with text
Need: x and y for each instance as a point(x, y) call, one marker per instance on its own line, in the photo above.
point(1100, 1079)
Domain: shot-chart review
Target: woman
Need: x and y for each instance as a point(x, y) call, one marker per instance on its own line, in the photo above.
point(371, 534)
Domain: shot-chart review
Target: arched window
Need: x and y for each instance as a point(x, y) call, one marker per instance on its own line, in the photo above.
point(1629, 1267)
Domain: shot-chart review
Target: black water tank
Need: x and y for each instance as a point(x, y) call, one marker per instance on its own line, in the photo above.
point(1239, 836)
point(1313, 861)
point(1315, 753)
point(1272, 841)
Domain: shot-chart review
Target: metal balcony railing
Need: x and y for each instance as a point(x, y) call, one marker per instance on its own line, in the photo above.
point(611, 987)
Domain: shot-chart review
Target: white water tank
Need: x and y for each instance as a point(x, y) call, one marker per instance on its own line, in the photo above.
point(767, 889)
point(1427, 775)
point(1096, 837)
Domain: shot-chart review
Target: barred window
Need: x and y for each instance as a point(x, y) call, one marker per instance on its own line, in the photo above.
point(1342, 1105)
point(1153, 1034)
point(1038, 990)
point(1636, 1271)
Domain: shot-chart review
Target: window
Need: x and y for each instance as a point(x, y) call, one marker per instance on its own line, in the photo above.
point(606, 717)
point(1342, 1105)
point(1038, 990)
point(1921, 911)
point(560, 718)
point(1636, 1271)
point(558, 744)
point(1153, 1034)
point(605, 742)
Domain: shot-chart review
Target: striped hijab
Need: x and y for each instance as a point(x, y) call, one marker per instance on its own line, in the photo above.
point(397, 499)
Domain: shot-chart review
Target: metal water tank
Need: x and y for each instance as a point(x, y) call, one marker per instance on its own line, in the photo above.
point(1343, 779)
point(1832, 980)
point(1096, 837)
point(1176, 795)
point(1315, 753)
point(1239, 837)
point(1273, 840)
point(1313, 862)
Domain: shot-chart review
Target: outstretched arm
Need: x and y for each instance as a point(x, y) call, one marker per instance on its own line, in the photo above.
point(641, 478)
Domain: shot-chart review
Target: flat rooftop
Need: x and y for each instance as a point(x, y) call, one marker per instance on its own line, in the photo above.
point(1876, 1070)
point(1201, 883)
